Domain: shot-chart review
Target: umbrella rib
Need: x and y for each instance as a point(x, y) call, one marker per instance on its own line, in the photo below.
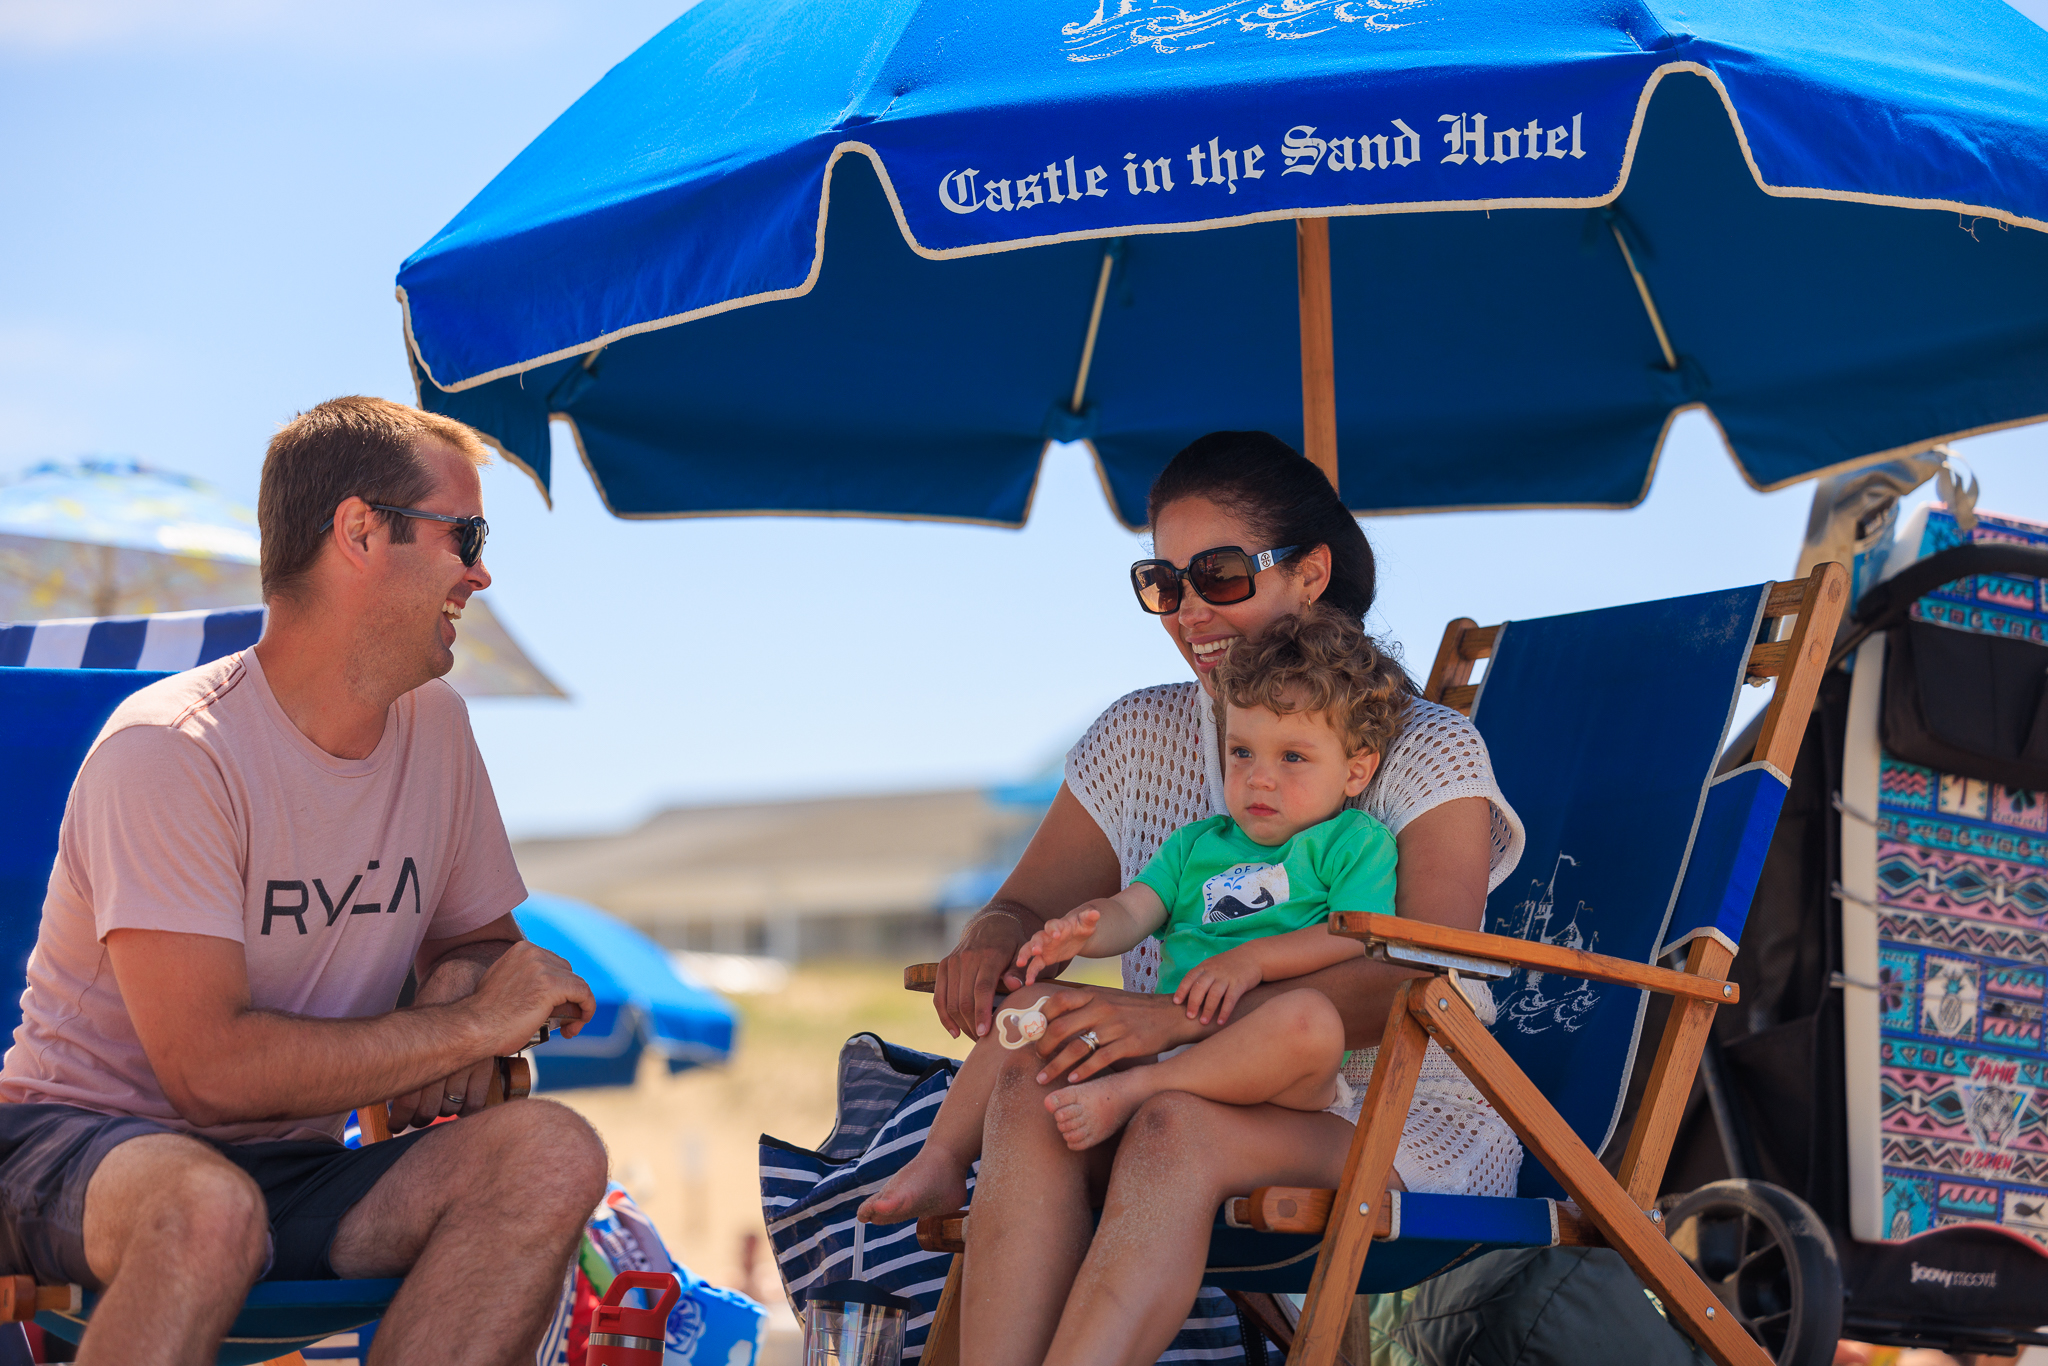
point(1649, 304)
point(1094, 325)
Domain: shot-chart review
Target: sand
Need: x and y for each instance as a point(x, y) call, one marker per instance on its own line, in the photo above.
point(686, 1146)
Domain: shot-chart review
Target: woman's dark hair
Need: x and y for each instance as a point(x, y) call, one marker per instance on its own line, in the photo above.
point(1285, 499)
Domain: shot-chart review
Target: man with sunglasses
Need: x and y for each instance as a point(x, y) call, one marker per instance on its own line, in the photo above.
point(255, 854)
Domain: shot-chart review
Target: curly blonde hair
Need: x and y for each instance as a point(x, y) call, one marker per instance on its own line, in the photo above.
point(1322, 661)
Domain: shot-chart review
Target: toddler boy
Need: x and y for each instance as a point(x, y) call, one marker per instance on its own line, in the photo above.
point(1305, 714)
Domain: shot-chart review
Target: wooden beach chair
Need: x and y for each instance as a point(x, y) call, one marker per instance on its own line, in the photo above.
point(1605, 730)
point(51, 717)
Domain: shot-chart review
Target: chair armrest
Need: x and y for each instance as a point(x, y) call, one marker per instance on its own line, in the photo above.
point(1492, 955)
point(943, 1232)
point(921, 977)
point(21, 1299)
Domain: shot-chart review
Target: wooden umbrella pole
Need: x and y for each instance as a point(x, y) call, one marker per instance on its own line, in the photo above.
point(1318, 362)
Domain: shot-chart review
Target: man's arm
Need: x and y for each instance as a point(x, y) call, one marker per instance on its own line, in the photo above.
point(220, 1060)
point(450, 969)
point(447, 970)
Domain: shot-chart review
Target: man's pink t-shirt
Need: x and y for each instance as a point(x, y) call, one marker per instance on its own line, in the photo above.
point(202, 809)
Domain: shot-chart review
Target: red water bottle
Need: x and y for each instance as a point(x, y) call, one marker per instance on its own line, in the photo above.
point(620, 1336)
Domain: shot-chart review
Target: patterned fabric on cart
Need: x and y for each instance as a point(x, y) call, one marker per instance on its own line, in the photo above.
point(1962, 878)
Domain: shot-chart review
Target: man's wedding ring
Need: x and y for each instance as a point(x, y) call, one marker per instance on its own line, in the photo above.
point(1092, 1042)
point(456, 1101)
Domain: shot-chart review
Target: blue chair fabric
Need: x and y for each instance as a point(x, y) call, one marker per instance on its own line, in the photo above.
point(277, 1319)
point(1604, 729)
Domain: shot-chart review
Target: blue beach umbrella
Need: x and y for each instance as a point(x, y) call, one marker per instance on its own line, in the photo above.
point(868, 256)
point(641, 1002)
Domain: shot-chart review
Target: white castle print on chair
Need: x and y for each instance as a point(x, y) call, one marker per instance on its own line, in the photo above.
point(1244, 890)
point(1531, 1009)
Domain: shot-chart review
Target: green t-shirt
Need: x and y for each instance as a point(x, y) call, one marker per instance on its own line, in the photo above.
point(1221, 889)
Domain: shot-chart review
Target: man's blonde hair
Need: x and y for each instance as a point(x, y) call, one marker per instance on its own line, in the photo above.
point(353, 446)
point(1319, 660)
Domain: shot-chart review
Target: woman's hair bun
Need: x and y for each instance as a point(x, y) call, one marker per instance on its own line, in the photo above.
point(1285, 499)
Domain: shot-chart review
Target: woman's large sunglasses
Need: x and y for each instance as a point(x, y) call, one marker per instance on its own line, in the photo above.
point(470, 532)
point(1221, 576)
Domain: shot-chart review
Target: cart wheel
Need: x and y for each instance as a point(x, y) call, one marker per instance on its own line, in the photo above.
point(1763, 1251)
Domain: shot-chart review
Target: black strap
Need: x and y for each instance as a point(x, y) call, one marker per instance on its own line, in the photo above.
point(1889, 603)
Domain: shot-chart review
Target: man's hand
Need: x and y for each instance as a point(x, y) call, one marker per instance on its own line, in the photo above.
point(454, 978)
point(1059, 941)
point(523, 990)
point(1212, 988)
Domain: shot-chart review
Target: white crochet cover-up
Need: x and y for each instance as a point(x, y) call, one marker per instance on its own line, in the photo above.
point(1151, 764)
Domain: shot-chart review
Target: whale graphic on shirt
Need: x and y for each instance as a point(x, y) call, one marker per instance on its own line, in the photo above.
point(1243, 890)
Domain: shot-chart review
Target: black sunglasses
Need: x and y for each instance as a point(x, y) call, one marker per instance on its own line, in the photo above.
point(469, 531)
point(1221, 576)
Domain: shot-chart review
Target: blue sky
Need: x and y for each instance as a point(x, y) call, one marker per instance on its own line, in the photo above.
point(205, 206)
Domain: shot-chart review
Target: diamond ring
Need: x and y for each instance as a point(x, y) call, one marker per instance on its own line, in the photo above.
point(1092, 1042)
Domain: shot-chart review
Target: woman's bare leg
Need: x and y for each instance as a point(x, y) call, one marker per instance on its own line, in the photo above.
point(1179, 1159)
point(1031, 1222)
point(1285, 1053)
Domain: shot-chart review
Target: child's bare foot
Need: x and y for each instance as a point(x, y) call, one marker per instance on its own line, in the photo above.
point(928, 1184)
point(1096, 1110)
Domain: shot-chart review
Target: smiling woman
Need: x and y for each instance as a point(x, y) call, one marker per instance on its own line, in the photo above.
point(1149, 766)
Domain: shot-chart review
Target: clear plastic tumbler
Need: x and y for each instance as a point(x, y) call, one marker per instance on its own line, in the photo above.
point(852, 1323)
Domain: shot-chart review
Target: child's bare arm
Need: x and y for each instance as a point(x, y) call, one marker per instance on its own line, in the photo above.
point(1212, 988)
point(1102, 928)
point(1300, 952)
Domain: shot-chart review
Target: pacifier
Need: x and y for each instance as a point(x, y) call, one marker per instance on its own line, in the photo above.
point(1027, 1024)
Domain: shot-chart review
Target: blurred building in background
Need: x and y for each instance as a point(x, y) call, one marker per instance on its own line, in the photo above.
point(889, 876)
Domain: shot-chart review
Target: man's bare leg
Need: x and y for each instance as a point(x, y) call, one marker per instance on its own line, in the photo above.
point(1031, 1222)
point(176, 1234)
point(480, 1217)
point(1284, 1053)
point(1179, 1159)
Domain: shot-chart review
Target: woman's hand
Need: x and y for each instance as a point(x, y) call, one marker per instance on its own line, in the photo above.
point(1059, 941)
point(1213, 987)
point(970, 976)
point(1126, 1025)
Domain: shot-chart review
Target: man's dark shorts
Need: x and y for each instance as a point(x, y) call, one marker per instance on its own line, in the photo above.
point(48, 1154)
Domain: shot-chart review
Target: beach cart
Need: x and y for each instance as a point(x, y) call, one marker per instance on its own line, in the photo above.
point(1880, 1099)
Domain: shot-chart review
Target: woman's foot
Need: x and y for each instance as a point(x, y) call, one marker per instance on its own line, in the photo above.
point(1097, 1110)
point(927, 1184)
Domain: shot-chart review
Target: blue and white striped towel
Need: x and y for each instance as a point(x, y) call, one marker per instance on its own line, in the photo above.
point(887, 1097)
point(169, 641)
